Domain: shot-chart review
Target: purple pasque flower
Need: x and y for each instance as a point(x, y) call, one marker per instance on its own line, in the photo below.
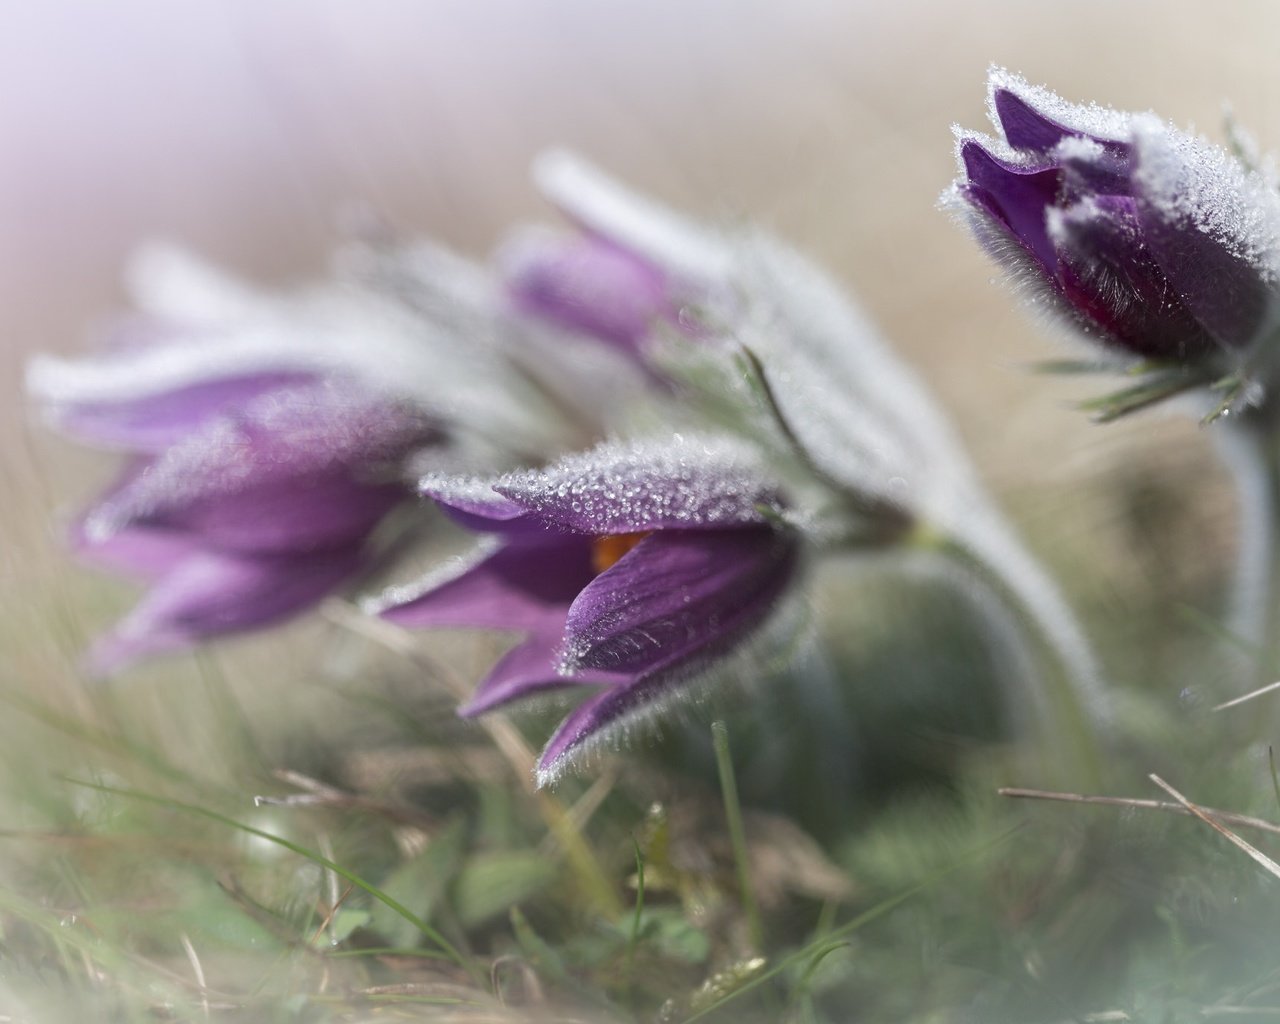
point(628, 568)
point(256, 474)
point(1159, 245)
point(629, 267)
point(255, 512)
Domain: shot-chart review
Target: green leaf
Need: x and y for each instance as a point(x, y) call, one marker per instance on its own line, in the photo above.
point(492, 883)
point(419, 884)
point(1070, 367)
point(1150, 390)
point(537, 950)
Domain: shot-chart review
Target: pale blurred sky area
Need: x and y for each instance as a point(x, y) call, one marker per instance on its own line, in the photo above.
point(243, 128)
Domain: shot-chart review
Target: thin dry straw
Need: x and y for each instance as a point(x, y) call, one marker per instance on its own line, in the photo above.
point(1258, 856)
point(1248, 696)
point(1212, 817)
point(1240, 820)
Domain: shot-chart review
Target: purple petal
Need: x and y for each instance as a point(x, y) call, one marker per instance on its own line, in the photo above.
point(592, 720)
point(1109, 276)
point(1211, 228)
point(212, 593)
point(683, 484)
point(586, 285)
point(677, 597)
point(151, 423)
point(145, 554)
point(1014, 195)
point(1027, 128)
point(474, 504)
point(300, 468)
point(677, 600)
point(518, 587)
point(1092, 169)
point(528, 669)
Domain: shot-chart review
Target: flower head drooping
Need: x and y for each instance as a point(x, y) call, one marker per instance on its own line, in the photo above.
point(258, 512)
point(630, 568)
point(261, 460)
point(1158, 245)
point(630, 269)
point(760, 342)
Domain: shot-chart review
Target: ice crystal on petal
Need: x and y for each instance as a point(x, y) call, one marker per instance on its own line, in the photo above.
point(1197, 184)
point(293, 438)
point(688, 483)
point(1087, 118)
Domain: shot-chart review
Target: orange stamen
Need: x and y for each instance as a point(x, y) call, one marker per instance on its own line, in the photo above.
point(606, 550)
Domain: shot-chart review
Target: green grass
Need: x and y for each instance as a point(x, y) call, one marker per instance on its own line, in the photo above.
point(836, 851)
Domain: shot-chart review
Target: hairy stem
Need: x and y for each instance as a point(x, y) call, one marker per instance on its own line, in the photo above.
point(1248, 449)
point(1062, 693)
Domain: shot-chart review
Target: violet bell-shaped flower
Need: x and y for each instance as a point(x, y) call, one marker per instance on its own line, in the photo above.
point(254, 512)
point(1158, 245)
point(256, 475)
point(630, 569)
point(627, 269)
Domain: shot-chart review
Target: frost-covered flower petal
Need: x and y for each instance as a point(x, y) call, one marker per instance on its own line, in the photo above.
point(262, 462)
point(1213, 228)
point(153, 422)
point(530, 669)
point(299, 468)
point(472, 502)
point(1157, 244)
point(652, 560)
point(1110, 275)
point(686, 483)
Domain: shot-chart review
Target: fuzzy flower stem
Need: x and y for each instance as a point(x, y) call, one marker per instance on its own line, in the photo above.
point(1066, 702)
point(1249, 449)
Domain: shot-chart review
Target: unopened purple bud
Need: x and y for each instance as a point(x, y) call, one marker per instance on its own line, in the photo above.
point(1157, 244)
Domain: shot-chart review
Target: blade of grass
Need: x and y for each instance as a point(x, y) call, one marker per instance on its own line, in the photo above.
point(395, 906)
point(737, 834)
point(803, 997)
point(634, 937)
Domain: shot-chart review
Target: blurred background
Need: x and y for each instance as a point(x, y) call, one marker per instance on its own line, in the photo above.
point(247, 130)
